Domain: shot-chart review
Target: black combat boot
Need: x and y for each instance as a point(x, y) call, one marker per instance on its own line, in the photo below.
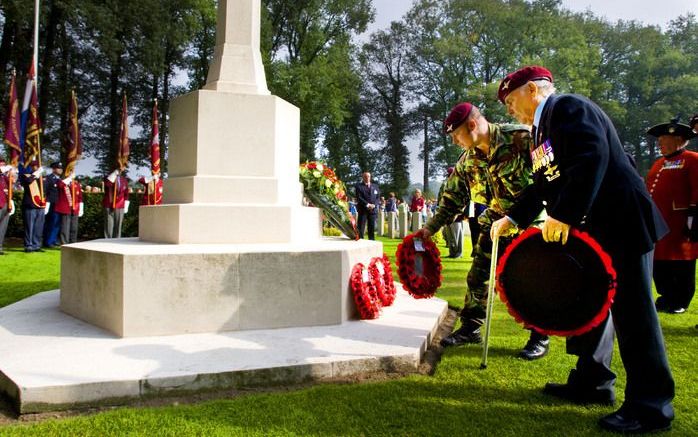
point(536, 347)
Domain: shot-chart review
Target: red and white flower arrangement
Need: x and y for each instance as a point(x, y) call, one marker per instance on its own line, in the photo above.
point(327, 192)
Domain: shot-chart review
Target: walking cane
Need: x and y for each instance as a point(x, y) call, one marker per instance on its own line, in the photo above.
point(490, 302)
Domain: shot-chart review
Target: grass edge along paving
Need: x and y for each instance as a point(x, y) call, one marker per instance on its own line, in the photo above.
point(459, 399)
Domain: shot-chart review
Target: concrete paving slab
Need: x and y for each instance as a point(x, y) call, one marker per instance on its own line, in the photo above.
point(52, 361)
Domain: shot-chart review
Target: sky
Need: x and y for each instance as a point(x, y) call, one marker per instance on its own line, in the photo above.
point(647, 11)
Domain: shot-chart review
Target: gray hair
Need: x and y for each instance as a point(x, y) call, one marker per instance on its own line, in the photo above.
point(545, 87)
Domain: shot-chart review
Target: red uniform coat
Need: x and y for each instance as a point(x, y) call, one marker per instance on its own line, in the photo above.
point(417, 204)
point(4, 190)
point(69, 198)
point(121, 186)
point(673, 183)
point(152, 194)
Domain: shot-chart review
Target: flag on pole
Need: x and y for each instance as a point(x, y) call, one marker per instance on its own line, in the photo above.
point(155, 142)
point(24, 116)
point(73, 141)
point(32, 138)
point(12, 124)
point(124, 145)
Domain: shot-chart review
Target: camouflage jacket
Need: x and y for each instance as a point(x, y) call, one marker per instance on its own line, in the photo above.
point(508, 173)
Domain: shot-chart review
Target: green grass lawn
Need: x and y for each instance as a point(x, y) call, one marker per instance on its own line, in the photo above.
point(459, 399)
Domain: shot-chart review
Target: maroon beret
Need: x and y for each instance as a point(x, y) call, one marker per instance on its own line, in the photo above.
point(457, 116)
point(449, 170)
point(521, 77)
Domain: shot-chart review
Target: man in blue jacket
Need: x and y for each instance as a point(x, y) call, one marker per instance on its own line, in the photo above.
point(368, 197)
point(583, 178)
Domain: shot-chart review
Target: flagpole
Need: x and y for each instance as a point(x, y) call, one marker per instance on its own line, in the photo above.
point(36, 39)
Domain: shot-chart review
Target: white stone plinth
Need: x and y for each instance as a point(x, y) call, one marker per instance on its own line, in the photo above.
point(51, 361)
point(133, 288)
point(233, 174)
point(198, 223)
point(415, 221)
point(392, 225)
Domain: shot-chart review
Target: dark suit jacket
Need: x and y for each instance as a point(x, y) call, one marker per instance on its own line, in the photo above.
point(366, 195)
point(584, 178)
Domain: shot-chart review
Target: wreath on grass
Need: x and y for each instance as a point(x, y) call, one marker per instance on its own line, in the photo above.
point(328, 193)
point(419, 270)
point(382, 274)
point(365, 291)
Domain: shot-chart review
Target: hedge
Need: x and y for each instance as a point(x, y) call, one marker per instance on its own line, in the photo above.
point(91, 224)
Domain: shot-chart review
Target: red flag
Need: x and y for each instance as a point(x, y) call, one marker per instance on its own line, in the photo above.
point(124, 145)
point(32, 140)
point(155, 143)
point(12, 123)
point(73, 140)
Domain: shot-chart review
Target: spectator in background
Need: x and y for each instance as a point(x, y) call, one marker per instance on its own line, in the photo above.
point(391, 203)
point(367, 203)
point(417, 204)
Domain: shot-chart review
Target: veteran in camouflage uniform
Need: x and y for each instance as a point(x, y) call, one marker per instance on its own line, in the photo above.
point(506, 173)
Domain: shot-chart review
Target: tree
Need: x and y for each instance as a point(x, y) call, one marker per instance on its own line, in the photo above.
point(384, 65)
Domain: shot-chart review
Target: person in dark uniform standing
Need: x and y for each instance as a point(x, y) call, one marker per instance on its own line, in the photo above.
point(33, 208)
point(584, 179)
point(673, 183)
point(368, 197)
point(52, 221)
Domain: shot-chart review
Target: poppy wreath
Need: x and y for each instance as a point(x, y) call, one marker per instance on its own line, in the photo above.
point(421, 285)
point(382, 275)
point(365, 294)
point(603, 258)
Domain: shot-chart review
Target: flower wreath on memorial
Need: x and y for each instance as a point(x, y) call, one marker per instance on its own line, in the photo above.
point(365, 290)
point(328, 193)
point(382, 274)
point(419, 267)
point(572, 316)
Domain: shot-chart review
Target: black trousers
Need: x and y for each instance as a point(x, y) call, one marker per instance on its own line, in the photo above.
point(675, 281)
point(33, 227)
point(366, 218)
point(650, 386)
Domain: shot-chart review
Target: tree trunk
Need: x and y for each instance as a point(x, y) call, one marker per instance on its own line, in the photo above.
point(426, 155)
point(8, 35)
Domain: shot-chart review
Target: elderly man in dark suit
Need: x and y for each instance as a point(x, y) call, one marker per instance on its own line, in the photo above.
point(583, 178)
point(368, 197)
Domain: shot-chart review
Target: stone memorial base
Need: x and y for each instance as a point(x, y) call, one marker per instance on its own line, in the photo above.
point(135, 288)
point(50, 361)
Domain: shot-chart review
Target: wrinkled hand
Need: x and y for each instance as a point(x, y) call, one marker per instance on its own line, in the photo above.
point(500, 226)
point(555, 230)
point(423, 233)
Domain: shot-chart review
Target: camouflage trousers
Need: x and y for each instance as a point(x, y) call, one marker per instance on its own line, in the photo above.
point(474, 308)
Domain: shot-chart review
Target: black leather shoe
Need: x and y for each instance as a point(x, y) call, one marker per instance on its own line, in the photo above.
point(627, 423)
point(535, 348)
point(577, 396)
point(462, 336)
point(678, 310)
